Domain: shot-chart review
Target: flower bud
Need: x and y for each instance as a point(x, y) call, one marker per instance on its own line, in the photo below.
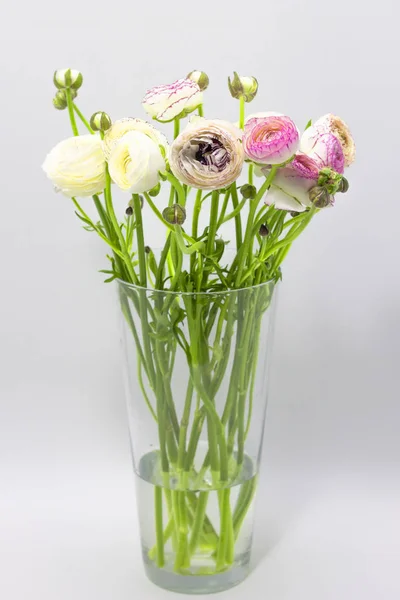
point(243, 87)
point(343, 185)
point(330, 179)
point(129, 211)
point(175, 214)
point(147, 249)
point(319, 196)
point(100, 121)
point(263, 231)
point(60, 99)
point(200, 78)
point(155, 191)
point(130, 204)
point(248, 191)
point(67, 78)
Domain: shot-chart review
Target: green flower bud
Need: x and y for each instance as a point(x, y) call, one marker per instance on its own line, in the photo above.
point(200, 78)
point(263, 231)
point(248, 191)
point(60, 99)
point(343, 186)
point(67, 78)
point(130, 204)
point(100, 121)
point(243, 87)
point(175, 214)
point(155, 191)
point(320, 197)
point(330, 179)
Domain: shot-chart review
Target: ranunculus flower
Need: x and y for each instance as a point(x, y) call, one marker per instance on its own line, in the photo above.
point(165, 102)
point(291, 185)
point(208, 154)
point(270, 138)
point(77, 166)
point(326, 150)
point(135, 161)
point(122, 126)
point(330, 124)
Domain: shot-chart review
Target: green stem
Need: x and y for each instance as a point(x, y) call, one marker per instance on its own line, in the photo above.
point(249, 229)
point(251, 173)
point(236, 211)
point(82, 118)
point(159, 526)
point(161, 218)
point(117, 229)
point(200, 110)
point(198, 521)
point(223, 209)
point(71, 111)
point(177, 125)
point(196, 247)
point(238, 218)
point(241, 112)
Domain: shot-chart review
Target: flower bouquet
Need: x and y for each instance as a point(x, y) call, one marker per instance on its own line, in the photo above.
point(197, 311)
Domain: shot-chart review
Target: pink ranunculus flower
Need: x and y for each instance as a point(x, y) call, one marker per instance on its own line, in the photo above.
point(166, 102)
point(291, 185)
point(270, 138)
point(326, 150)
point(330, 124)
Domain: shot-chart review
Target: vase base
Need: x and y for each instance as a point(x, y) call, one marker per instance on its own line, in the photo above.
point(197, 583)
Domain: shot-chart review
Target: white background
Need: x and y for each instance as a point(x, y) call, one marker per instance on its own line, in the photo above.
point(328, 520)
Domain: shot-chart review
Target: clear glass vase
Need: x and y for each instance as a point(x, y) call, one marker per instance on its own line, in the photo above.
point(196, 379)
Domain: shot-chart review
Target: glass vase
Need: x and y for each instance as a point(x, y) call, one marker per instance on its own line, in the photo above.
point(196, 368)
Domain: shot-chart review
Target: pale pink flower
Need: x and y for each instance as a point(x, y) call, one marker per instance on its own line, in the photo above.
point(166, 102)
point(270, 138)
point(208, 154)
point(326, 150)
point(330, 124)
point(291, 184)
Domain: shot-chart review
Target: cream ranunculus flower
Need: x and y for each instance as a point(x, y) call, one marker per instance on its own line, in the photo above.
point(77, 166)
point(135, 162)
point(165, 102)
point(208, 154)
point(122, 126)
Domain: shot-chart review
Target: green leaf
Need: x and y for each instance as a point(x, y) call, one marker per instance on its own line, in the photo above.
point(308, 125)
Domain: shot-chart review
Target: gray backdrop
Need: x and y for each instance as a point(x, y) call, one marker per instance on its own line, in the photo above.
point(328, 522)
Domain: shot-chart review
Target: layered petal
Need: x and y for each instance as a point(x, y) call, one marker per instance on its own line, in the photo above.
point(122, 126)
point(270, 138)
point(166, 102)
point(292, 184)
point(336, 126)
point(135, 162)
point(77, 166)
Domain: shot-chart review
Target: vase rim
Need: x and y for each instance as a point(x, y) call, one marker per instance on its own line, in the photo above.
point(136, 287)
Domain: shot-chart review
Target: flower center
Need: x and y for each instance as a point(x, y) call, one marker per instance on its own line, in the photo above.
point(211, 153)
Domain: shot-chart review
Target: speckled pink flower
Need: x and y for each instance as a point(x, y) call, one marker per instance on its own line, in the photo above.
point(270, 138)
point(326, 151)
point(166, 102)
point(330, 124)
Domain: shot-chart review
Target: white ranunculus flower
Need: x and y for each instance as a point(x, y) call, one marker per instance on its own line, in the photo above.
point(77, 166)
point(165, 102)
point(122, 126)
point(135, 162)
